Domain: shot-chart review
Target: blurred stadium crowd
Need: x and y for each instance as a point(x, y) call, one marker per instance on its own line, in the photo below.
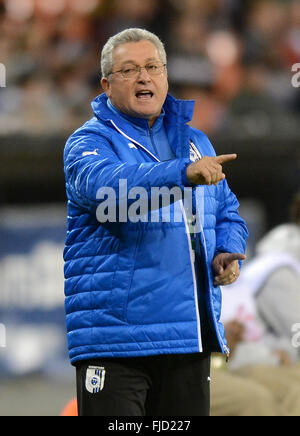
point(234, 57)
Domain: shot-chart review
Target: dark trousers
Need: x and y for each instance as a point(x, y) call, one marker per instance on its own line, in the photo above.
point(162, 385)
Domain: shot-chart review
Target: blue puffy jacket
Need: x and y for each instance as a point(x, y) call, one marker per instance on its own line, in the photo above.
point(130, 286)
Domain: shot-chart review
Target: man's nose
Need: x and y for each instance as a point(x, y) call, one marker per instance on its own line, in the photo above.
point(144, 75)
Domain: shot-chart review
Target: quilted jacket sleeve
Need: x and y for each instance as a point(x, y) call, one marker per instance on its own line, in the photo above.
point(90, 163)
point(231, 229)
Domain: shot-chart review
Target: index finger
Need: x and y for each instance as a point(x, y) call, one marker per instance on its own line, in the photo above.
point(236, 256)
point(225, 158)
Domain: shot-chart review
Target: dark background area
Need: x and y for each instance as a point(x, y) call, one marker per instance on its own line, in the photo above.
point(267, 169)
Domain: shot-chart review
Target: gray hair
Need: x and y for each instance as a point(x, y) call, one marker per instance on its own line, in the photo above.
point(128, 35)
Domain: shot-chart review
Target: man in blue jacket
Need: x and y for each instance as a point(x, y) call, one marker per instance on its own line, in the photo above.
point(142, 275)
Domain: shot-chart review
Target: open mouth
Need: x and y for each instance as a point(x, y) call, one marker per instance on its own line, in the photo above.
point(144, 95)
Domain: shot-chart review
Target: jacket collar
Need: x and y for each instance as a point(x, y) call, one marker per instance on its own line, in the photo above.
point(140, 124)
point(176, 110)
point(177, 114)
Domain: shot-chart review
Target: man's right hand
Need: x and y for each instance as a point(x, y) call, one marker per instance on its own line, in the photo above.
point(208, 170)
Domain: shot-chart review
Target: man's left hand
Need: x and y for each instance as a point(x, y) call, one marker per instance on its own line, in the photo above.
point(226, 268)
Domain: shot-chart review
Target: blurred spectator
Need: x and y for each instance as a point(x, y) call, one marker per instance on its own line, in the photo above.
point(261, 310)
point(267, 24)
point(254, 110)
point(291, 40)
point(209, 111)
point(236, 56)
point(253, 389)
point(266, 299)
point(132, 13)
point(235, 395)
point(278, 301)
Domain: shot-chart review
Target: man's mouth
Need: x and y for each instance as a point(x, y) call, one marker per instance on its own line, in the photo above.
point(144, 95)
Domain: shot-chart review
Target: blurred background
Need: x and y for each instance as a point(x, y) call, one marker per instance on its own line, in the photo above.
point(233, 57)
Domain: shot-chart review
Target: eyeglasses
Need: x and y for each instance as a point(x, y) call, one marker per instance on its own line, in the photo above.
point(153, 69)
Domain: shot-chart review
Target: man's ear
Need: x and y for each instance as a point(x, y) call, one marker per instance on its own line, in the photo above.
point(105, 86)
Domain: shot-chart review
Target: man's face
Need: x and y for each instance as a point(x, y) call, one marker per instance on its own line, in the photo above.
point(141, 96)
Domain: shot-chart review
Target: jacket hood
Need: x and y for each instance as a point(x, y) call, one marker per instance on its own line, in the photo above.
point(282, 239)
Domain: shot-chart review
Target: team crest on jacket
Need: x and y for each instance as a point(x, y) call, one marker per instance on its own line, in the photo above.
point(194, 152)
point(94, 380)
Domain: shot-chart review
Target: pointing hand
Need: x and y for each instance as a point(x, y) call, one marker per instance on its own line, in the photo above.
point(208, 170)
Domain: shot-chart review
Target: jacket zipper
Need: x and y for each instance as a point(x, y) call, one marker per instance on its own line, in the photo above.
point(152, 141)
point(226, 350)
point(192, 260)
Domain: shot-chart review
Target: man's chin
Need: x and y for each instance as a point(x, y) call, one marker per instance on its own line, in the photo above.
point(143, 112)
point(144, 115)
